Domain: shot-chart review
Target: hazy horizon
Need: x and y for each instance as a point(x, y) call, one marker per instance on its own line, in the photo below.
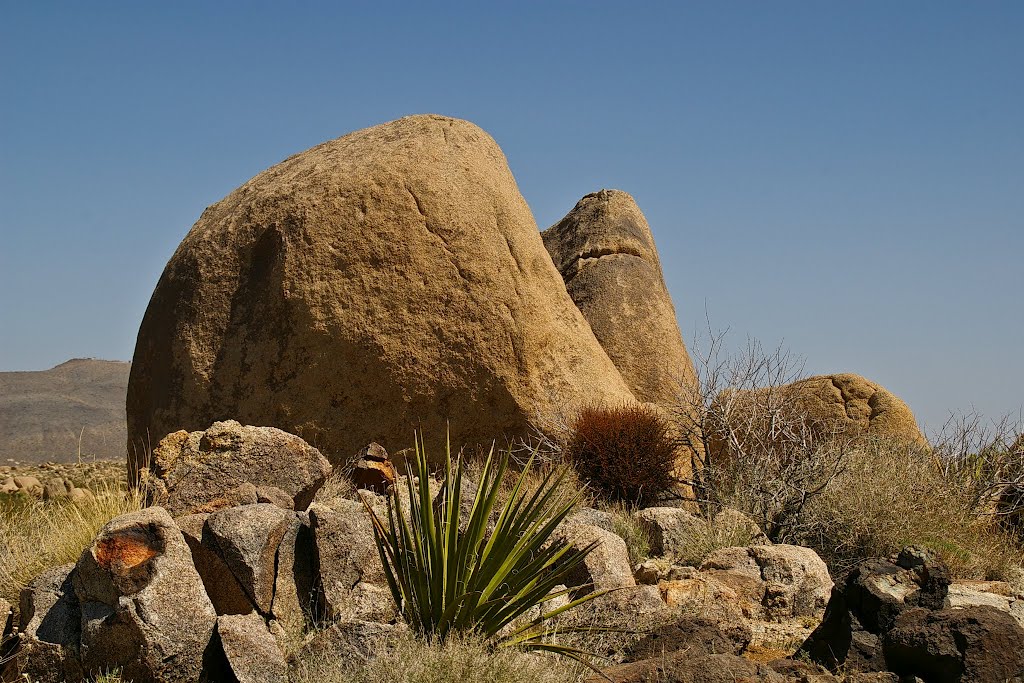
point(847, 180)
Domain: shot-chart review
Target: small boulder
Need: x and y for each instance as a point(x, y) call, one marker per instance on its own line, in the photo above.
point(29, 485)
point(274, 496)
point(144, 608)
point(605, 567)
point(373, 470)
point(248, 538)
point(598, 518)
point(50, 628)
point(250, 650)
point(346, 552)
point(781, 582)
point(673, 531)
point(224, 590)
point(192, 470)
point(975, 644)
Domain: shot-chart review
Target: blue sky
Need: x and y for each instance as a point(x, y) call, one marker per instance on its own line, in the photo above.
point(844, 178)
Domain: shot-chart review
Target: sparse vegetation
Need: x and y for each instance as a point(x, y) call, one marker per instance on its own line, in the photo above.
point(36, 535)
point(849, 497)
point(459, 659)
point(449, 579)
point(626, 453)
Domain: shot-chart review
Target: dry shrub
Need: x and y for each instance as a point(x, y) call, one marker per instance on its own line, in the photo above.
point(627, 454)
point(889, 495)
point(458, 660)
point(36, 535)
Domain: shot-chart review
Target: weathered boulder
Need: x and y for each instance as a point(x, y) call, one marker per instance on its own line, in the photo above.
point(143, 605)
point(346, 553)
point(373, 470)
point(295, 585)
point(773, 582)
point(606, 567)
point(228, 465)
point(605, 253)
point(976, 644)
point(845, 406)
point(250, 650)
point(50, 624)
point(388, 279)
point(247, 538)
point(673, 531)
point(223, 589)
point(598, 518)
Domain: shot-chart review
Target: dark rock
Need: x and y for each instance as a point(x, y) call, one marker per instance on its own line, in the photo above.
point(373, 470)
point(684, 667)
point(50, 627)
point(144, 608)
point(295, 585)
point(975, 644)
point(693, 634)
point(247, 538)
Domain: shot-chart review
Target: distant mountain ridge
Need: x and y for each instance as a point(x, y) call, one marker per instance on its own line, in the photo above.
point(44, 413)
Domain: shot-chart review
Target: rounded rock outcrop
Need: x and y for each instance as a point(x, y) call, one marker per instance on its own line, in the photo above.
point(389, 279)
point(840, 406)
point(606, 255)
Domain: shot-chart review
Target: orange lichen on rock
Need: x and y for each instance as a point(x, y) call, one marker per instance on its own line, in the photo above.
point(126, 550)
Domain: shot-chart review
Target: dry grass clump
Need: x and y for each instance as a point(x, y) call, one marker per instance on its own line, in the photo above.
point(626, 526)
point(889, 495)
point(627, 454)
point(457, 660)
point(724, 531)
point(35, 536)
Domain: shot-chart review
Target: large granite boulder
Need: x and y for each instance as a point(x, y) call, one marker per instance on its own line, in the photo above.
point(844, 406)
point(388, 279)
point(229, 464)
point(605, 253)
point(144, 609)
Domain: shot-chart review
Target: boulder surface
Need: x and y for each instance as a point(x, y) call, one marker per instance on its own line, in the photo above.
point(605, 253)
point(388, 279)
point(229, 464)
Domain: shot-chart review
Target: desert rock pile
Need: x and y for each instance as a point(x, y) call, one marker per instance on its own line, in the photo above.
point(389, 279)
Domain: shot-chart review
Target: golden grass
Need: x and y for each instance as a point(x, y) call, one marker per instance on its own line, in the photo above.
point(35, 536)
point(458, 660)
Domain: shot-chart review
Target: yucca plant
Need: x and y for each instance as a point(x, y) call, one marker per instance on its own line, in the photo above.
point(483, 579)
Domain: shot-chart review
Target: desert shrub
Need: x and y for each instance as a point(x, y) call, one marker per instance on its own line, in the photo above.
point(457, 660)
point(627, 453)
point(36, 535)
point(892, 494)
point(481, 577)
point(847, 497)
